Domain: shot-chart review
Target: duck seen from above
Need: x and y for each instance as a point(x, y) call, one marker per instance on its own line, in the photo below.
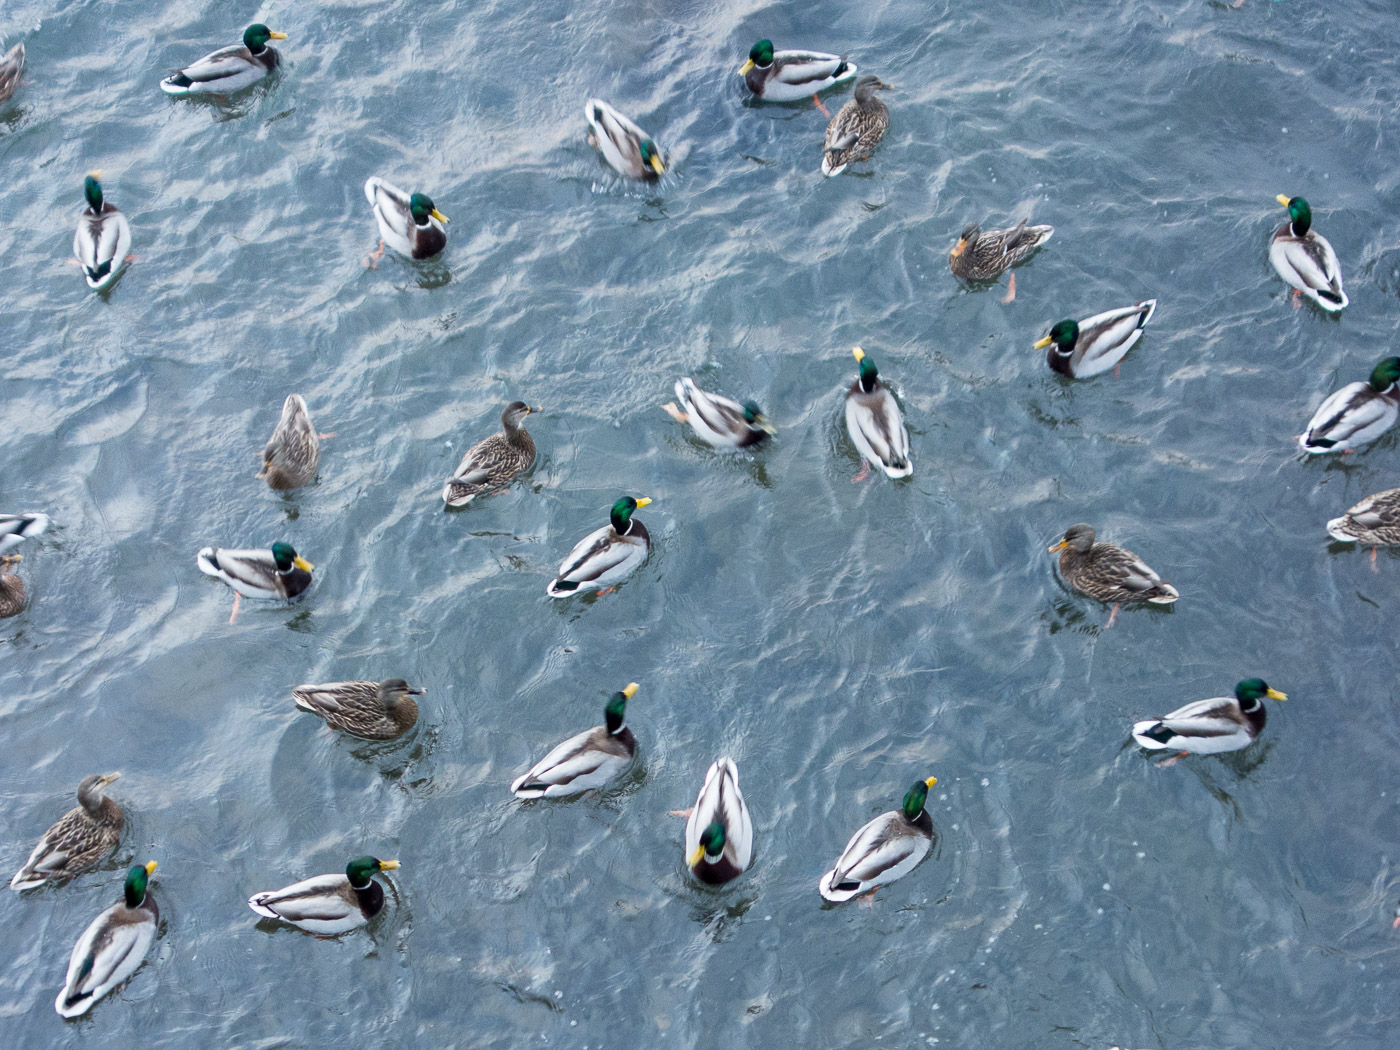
point(113, 947)
point(16, 528)
point(494, 462)
point(857, 128)
point(1080, 349)
point(875, 423)
point(11, 67)
point(1305, 259)
point(12, 594)
point(103, 238)
point(789, 76)
point(293, 453)
point(1374, 521)
point(587, 760)
point(1210, 727)
point(328, 905)
point(1355, 414)
point(409, 223)
point(278, 573)
point(719, 831)
point(717, 420)
point(979, 256)
point(1109, 573)
point(606, 556)
point(369, 710)
point(887, 848)
point(78, 839)
point(228, 69)
point(628, 149)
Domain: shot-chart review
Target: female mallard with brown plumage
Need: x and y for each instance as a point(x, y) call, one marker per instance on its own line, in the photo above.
point(78, 840)
point(1374, 521)
point(294, 450)
point(986, 256)
point(1109, 573)
point(857, 128)
point(12, 596)
point(490, 465)
point(369, 710)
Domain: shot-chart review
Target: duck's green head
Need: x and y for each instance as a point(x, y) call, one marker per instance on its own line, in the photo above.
point(421, 207)
point(135, 885)
point(621, 514)
point(868, 372)
point(1298, 212)
point(92, 190)
point(651, 157)
point(711, 844)
point(914, 801)
point(359, 870)
point(288, 559)
point(754, 417)
point(1252, 690)
point(1064, 335)
point(1385, 375)
point(760, 55)
point(256, 36)
point(616, 711)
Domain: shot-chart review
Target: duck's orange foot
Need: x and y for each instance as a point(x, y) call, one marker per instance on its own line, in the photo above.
point(868, 899)
point(1113, 616)
point(818, 103)
point(234, 615)
point(607, 590)
point(675, 413)
point(1010, 290)
point(372, 259)
point(681, 812)
point(861, 474)
point(1173, 760)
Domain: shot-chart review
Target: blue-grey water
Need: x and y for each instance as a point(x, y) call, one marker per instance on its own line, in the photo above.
point(838, 640)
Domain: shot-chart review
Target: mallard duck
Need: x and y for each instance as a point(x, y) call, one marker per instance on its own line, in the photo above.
point(372, 710)
point(113, 946)
point(328, 904)
point(875, 424)
point(719, 833)
point(1085, 348)
point(493, 463)
point(720, 422)
point(857, 128)
point(986, 256)
point(627, 148)
point(11, 66)
point(1304, 259)
point(585, 761)
point(1107, 572)
point(605, 556)
point(888, 848)
point(230, 68)
point(1374, 521)
point(1209, 727)
point(103, 238)
point(16, 528)
point(408, 223)
point(786, 76)
point(11, 587)
point(294, 450)
point(1355, 414)
point(78, 840)
point(276, 573)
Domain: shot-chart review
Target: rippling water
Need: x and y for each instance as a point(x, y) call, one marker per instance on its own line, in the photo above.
point(837, 640)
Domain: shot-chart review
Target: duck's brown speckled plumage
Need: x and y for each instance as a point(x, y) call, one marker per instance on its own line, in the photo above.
point(492, 464)
point(371, 710)
point(979, 256)
point(12, 597)
point(80, 838)
point(1107, 572)
point(293, 452)
point(1374, 521)
point(857, 128)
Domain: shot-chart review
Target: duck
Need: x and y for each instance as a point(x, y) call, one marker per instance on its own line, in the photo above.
point(493, 463)
point(1109, 573)
point(1355, 414)
point(12, 596)
point(78, 839)
point(229, 68)
point(1210, 727)
point(409, 223)
point(887, 848)
point(16, 528)
point(605, 556)
point(719, 833)
point(279, 572)
point(293, 453)
point(1305, 259)
point(369, 710)
point(1374, 521)
point(875, 423)
point(11, 66)
point(787, 76)
point(717, 420)
point(328, 905)
point(979, 256)
point(113, 947)
point(587, 760)
point(1094, 345)
point(627, 148)
point(857, 128)
point(103, 238)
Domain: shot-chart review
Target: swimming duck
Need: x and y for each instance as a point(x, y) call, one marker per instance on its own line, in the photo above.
point(11, 66)
point(78, 840)
point(1355, 414)
point(371, 710)
point(875, 424)
point(585, 761)
point(11, 587)
point(1086, 348)
point(1375, 521)
point(276, 573)
point(294, 450)
point(16, 528)
point(113, 946)
point(103, 238)
point(493, 463)
point(627, 148)
point(1209, 727)
point(786, 76)
point(857, 128)
point(719, 833)
point(605, 556)
point(230, 68)
point(328, 904)
point(719, 421)
point(887, 848)
point(1107, 572)
point(1304, 259)
point(408, 223)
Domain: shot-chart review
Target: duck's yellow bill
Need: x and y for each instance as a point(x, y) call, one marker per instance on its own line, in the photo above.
point(1283, 199)
point(150, 866)
point(930, 782)
point(95, 174)
point(765, 426)
point(631, 690)
point(388, 865)
point(645, 501)
point(1042, 343)
point(439, 216)
point(744, 69)
point(657, 166)
point(278, 36)
point(696, 856)
point(12, 559)
point(111, 778)
point(959, 248)
point(858, 353)
point(1059, 547)
point(302, 564)
point(1274, 694)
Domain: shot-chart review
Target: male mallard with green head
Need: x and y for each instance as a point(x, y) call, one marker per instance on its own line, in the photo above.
point(887, 848)
point(228, 69)
point(113, 947)
point(1080, 349)
point(103, 238)
point(606, 556)
point(408, 222)
point(1210, 727)
point(1305, 259)
point(585, 761)
point(788, 76)
point(279, 573)
point(1355, 414)
point(627, 148)
point(328, 905)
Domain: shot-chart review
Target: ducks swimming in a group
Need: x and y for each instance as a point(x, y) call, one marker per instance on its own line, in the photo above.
point(228, 69)
point(77, 840)
point(113, 947)
point(494, 462)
